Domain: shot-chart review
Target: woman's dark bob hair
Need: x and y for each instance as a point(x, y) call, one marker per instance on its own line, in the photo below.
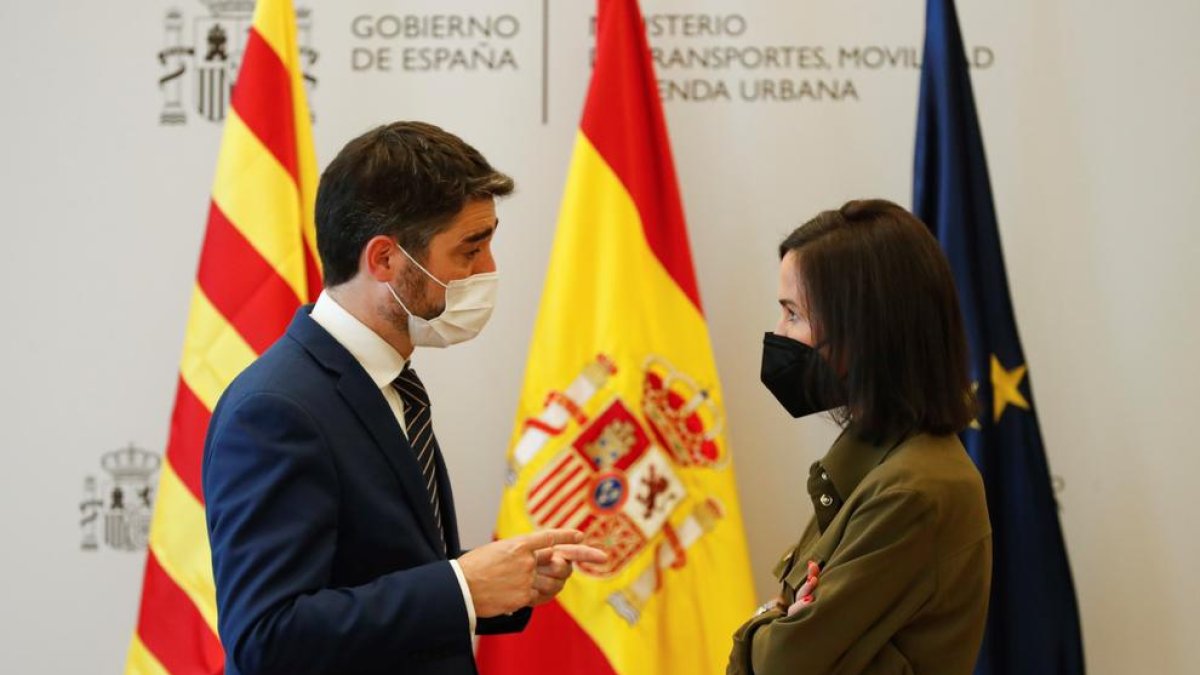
point(884, 312)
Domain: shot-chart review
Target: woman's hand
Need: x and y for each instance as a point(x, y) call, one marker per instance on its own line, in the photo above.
point(804, 594)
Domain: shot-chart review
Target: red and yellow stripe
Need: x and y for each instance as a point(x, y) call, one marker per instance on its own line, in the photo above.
point(621, 283)
point(258, 264)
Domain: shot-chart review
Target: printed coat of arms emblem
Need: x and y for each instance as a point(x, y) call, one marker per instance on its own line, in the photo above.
point(120, 505)
point(215, 55)
point(619, 480)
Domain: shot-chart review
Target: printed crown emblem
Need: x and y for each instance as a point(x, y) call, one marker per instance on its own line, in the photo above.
point(682, 415)
point(131, 463)
point(230, 8)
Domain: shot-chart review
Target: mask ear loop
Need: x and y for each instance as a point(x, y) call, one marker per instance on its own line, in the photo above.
point(420, 267)
point(397, 297)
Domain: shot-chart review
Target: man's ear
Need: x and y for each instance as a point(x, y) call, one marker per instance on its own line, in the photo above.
point(380, 260)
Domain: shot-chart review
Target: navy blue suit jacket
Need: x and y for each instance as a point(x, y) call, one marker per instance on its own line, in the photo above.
point(324, 545)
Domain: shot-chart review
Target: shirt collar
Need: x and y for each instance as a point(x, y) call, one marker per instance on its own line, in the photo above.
point(381, 361)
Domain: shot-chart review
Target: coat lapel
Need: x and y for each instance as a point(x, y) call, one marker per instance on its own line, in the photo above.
point(370, 407)
point(368, 404)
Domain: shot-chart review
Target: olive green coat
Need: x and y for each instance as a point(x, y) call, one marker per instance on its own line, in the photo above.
point(901, 533)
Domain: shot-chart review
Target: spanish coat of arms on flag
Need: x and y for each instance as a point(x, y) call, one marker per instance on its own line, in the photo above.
point(620, 431)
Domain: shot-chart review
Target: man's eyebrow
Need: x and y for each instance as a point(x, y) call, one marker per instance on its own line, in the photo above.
point(481, 234)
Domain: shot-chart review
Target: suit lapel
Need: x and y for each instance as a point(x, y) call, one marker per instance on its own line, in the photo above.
point(368, 404)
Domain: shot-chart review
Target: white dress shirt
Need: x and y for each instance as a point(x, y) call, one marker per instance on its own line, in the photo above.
point(383, 365)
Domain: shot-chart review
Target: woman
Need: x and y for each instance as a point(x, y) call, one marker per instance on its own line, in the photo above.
point(892, 573)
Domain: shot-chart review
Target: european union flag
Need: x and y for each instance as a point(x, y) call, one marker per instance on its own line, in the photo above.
point(1033, 619)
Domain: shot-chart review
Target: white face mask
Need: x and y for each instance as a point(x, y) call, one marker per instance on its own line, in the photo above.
point(469, 304)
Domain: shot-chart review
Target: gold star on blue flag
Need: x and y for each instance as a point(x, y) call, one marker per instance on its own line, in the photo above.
point(1006, 388)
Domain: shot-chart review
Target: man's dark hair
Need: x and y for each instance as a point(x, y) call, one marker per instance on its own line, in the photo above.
point(884, 312)
point(405, 180)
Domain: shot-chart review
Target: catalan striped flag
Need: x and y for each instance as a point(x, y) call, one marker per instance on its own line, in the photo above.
point(257, 265)
point(621, 427)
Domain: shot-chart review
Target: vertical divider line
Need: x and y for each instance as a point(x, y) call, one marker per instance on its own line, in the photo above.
point(545, 62)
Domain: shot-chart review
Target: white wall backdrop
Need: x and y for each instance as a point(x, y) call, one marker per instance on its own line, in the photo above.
point(1089, 112)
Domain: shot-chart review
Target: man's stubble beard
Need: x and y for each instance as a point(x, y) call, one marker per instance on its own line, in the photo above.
point(414, 289)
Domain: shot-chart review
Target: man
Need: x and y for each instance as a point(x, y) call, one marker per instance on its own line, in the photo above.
point(330, 514)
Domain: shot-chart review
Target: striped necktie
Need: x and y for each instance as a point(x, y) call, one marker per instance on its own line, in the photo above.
point(419, 424)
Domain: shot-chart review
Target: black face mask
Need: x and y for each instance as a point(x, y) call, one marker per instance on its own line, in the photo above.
point(785, 366)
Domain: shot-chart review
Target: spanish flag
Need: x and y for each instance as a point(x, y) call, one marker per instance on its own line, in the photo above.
point(257, 266)
point(621, 427)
